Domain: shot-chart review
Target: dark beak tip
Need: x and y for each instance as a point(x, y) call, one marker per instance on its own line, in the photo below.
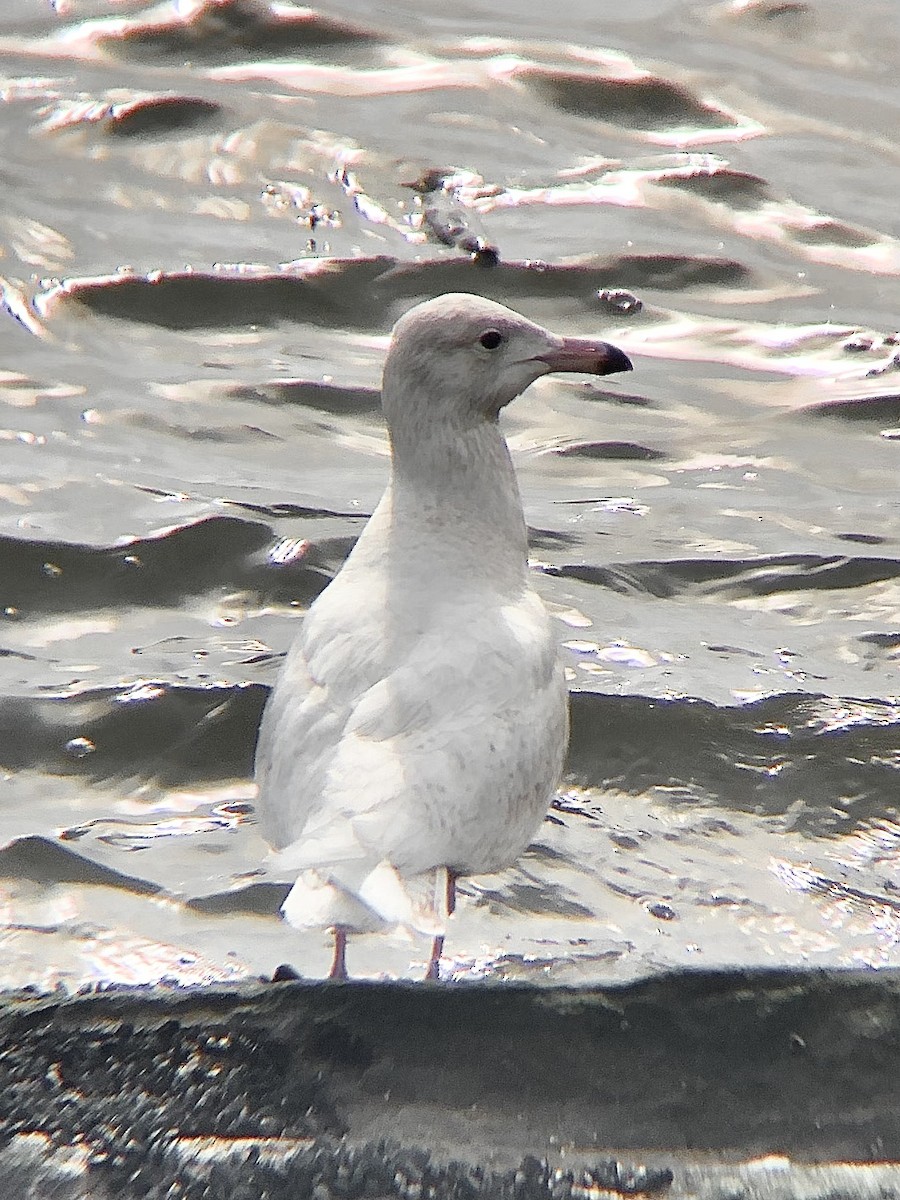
point(616, 360)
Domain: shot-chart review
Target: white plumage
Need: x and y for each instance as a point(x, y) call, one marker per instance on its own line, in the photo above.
point(420, 722)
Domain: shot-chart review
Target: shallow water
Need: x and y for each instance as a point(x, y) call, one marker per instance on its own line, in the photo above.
point(208, 229)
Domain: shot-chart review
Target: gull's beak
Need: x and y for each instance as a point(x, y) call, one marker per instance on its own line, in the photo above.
point(584, 354)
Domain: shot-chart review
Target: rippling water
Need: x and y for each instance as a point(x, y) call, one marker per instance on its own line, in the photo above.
point(212, 215)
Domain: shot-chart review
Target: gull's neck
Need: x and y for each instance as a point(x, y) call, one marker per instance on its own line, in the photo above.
point(452, 505)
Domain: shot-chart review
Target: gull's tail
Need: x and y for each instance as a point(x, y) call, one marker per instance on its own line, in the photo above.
point(380, 899)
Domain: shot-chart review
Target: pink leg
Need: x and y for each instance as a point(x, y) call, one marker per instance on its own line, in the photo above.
point(434, 963)
point(339, 962)
point(447, 903)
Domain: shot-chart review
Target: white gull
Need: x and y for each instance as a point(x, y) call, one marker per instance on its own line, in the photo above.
point(420, 722)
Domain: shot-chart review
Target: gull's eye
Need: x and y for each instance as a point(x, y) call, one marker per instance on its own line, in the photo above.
point(491, 339)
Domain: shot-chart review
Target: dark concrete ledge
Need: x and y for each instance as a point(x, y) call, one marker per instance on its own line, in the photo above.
point(666, 1086)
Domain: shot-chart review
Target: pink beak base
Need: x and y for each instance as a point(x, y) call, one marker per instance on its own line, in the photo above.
point(583, 354)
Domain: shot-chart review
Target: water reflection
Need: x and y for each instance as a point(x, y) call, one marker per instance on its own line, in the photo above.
point(200, 265)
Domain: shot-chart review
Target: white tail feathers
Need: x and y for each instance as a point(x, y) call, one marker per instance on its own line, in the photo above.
point(317, 901)
point(382, 900)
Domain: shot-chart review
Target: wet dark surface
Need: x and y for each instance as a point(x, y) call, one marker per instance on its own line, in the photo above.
point(285, 1087)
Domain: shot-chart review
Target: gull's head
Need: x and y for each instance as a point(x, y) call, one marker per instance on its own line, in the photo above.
point(462, 358)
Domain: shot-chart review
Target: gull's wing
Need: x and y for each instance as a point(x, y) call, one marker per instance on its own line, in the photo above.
point(333, 661)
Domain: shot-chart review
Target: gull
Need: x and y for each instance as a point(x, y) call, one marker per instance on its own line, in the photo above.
point(419, 725)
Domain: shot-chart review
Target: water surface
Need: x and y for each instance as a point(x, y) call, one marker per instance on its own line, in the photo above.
point(212, 216)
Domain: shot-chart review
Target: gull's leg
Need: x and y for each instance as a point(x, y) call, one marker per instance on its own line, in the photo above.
point(339, 962)
point(444, 904)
